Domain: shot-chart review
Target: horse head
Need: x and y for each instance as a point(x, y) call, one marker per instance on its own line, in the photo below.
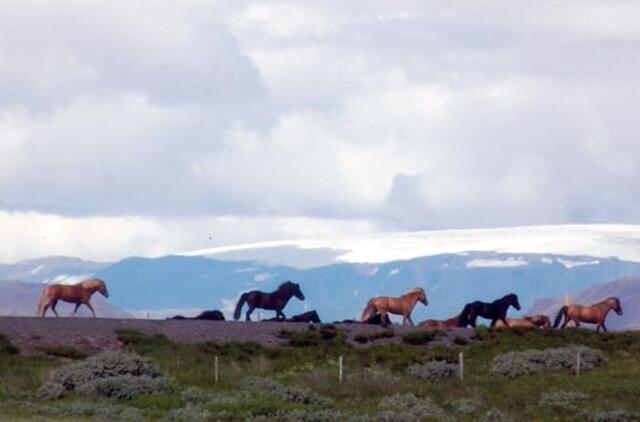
point(615, 305)
point(95, 284)
point(293, 288)
point(102, 288)
point(420, 293)
point(512, 299)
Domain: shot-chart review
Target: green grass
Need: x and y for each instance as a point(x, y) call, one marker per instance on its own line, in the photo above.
point(310, 360)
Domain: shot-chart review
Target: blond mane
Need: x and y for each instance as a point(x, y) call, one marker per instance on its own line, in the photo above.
point(414, 290)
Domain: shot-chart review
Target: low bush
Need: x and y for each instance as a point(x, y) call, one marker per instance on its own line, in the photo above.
point(6, 347)
point(619, 415)
point(465, 406)
point(270, 387)
point(361, 338)
point(494, 415)
point(125, 387)
point(515, 364)
point(188, 413)
point(409, 407)
point(64, 352)
point(418, 338)
point(570, 400)
point(433, 371)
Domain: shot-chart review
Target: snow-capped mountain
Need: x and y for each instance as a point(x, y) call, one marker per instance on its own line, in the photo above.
point(52, 269)
point(601, 241)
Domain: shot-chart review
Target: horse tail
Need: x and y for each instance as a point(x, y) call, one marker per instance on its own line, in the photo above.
point(561, 312)
point(463, 320)
point(241, 301)
point(369, 310)
point(43, 299)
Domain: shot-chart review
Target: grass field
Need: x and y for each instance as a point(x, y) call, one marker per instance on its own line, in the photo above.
point(376, 385)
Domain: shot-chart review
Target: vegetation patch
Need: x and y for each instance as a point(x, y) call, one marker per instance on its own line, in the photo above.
point(618, 415)
point(409, 407)
point(433, 371)
point(64, 352)
point(6, 347)
point(289, 393)
point(418, 338)
point(568, 400)
point(515, 364)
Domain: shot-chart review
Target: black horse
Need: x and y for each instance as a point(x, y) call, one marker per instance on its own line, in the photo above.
point(310, 316)
point(213, 315)
point(275, 301)
point(496, 310)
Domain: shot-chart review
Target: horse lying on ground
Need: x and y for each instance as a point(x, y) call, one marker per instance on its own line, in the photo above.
point(80, 294)
point(311, 316)
point(594, 314)
point(402, 305)
point(496, 310)
point(534, 321)
point(213, 315)
point(275, 301)
point(440, 324)
point(373, 320)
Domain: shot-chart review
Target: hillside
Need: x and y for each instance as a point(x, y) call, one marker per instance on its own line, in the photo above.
point(627, 290)
point(50, 269)
point(21, 299)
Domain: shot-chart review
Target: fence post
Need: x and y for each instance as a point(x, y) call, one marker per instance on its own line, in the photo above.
point(340, 369)
point(461, 364)
point(578, 365)
point(215, 369)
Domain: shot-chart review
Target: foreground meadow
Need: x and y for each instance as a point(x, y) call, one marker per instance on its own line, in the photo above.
point(413, 380)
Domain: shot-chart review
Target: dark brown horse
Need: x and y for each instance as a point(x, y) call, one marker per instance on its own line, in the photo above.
point(496, 310)
point(80, 294)
point(594, 314)
point(275, 301)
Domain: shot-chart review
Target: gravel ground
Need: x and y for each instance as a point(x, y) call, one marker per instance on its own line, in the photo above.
point(30, 334)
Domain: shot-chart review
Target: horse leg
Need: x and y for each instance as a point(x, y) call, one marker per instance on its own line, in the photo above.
point(53, 307)
point(44, 310)
point(408, 317)
point(383, 318)
point(577, 323)
point(604, 328)
point(249, 311)
point(91, 309)
point(75, 309)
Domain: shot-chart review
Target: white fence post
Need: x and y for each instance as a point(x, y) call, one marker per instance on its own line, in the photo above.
point(215, 369)
point(340, 369)
point(461, 364)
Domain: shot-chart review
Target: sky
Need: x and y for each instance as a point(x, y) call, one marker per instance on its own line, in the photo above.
point(153, 127)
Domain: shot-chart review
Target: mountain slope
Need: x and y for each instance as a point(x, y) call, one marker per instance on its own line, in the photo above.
point(50, 269)
point(340, 291)
point(626, 289)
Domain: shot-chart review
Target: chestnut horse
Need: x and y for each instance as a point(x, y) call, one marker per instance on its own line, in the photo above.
point(594, 314)
point(402, 305)
point(439, 324)
point(534, 321)
point(80, 294)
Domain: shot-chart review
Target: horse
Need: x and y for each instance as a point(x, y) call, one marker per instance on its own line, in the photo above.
point(402, 305)
point(496, 310)
point(375, 319)
point(80, 294)
point(310, 316)
point(275, 301)
point(534, 321)
point(213, 315)
point(440, 324)
point(594, 314)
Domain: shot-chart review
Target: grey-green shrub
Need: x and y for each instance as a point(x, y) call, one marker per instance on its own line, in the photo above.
point(433, 371)
point(570, 400)
point(326, 415)
point(408, 407)
point(270, 387)
point(494, 415)
point(125, 387)
point(515, 364)
point(51, 391)
point(619, 415)
point(187, 414)
point(382, 376)
point(465, 406)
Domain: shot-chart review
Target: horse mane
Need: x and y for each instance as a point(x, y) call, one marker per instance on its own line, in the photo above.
point(617, 300)
point(91, 281)
point(285, 284)
point(414, 290)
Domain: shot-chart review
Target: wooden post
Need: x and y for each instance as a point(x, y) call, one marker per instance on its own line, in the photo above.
point(215, 369)
point(340, 369)
point(578, 364)
point(461, 364)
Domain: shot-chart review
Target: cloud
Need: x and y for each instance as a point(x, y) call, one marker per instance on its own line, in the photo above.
point(418, 115)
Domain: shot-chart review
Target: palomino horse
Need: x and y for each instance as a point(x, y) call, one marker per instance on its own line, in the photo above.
point(439, 324)
point(594, 314)
point(80, 294)
point(275, 301)
point(496, 310)
point(534, 321)
point(402, 305)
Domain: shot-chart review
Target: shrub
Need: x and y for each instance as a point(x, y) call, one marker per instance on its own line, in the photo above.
point(328, 332)
point(98, 410)
point(64, 352)
point(382, 376)
point(99, 367)
point(288, 393)
point(466, 406)
point(409, 407)
point(187, 414)
point(433, 371)
point(386, 333)
point(570, 400)
point(361, 338)
point(619, 415)
point(326, 415)
point(494, 415)
point(515, 364)
point(419, 337)
point(125, 387)
point(6, 347)
point(460, 341)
